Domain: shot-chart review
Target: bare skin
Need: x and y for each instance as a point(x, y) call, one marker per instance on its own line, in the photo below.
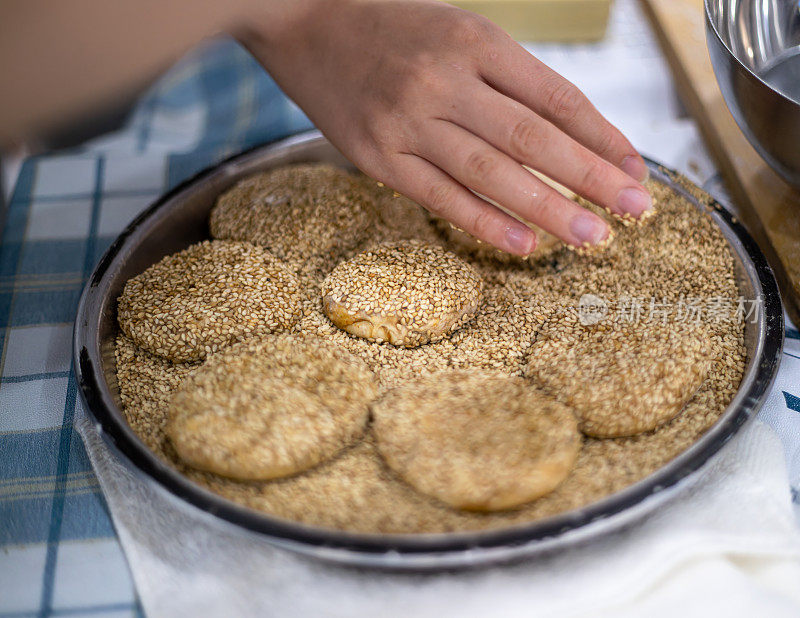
point(435, 102)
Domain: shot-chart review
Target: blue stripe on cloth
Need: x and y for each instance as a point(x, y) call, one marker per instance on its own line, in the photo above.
point(25, 521)
point(792, 401)
point(68, 197)
point(28, 454)
point(38, 307)
point(792, 333)
point(34, 376)
point(51, 256)
point(57, 509)
point(67, 437)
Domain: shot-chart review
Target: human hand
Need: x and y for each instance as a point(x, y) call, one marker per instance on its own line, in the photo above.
point(434, 102)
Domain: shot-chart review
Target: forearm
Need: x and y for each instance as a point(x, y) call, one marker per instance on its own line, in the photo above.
point(61, 60)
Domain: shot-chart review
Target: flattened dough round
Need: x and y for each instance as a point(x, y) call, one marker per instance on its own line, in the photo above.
point(476, 441)
point(206, 297)
point(271, 407)
point(621, 378)
point(406, 293)
point(306, 212)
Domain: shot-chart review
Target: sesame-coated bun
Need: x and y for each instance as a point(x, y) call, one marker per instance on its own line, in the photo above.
point(406, 293)
point(621, 378)
point(311, 213)
point(206, 297)
point(270, 407)
point(476, 441)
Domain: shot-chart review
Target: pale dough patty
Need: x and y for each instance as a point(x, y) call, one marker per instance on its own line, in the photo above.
point(621, 378)
point(206, 297)
point(476, 441)
point(314, 213)
point(270, 407)
point(406, 293)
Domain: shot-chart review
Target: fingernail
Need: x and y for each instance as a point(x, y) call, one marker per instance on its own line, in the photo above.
point(634, 201)
point(635, 167)
point(521, 239)
point(588, 228)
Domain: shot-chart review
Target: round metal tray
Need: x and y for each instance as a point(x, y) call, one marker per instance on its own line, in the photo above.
point(180, 218)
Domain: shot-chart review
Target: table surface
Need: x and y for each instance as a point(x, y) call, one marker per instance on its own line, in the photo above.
point(60, 554)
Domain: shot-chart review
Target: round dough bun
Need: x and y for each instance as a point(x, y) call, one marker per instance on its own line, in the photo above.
point(207, 297)
point(271, 407)
point(476, 441)
point(312, 213)
point(406, 293)
point(621, 379)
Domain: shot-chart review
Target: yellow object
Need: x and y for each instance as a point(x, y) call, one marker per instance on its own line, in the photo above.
point(545, 20)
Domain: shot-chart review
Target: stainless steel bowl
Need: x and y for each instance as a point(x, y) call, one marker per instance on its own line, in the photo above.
point(755, 50)
point(180, 218)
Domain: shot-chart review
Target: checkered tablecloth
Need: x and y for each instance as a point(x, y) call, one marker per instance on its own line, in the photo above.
point(59, 554)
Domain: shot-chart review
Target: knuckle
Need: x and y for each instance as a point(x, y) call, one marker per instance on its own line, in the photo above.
point(606, 143)
point(470, 29)
point(526, 138)
point(564, 101)
point(428, 81)
point(440, 199)
point(541, 208)
point(481, 223)
point(592, 177)
point(480, 166)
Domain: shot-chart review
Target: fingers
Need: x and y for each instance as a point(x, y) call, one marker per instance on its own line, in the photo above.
point(528, 138)
point(523, 78)
point(429, 186)
point(481, 167)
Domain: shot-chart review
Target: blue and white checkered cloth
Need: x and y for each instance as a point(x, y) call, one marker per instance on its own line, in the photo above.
point(60, 554)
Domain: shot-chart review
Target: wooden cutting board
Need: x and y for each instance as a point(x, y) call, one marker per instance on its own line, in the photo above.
point(768, 206)
point(545, 20)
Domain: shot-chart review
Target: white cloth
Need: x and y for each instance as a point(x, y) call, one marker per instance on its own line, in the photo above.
point(726, 545)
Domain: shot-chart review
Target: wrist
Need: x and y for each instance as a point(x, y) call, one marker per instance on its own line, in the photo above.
point(268, 24)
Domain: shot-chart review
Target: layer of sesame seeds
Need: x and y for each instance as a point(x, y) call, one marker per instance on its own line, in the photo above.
point(476, 441)
point(270, 407)
point(313, 214)
point(206, 297)
point(146, 384)
point(406, 293)
point(676, 254)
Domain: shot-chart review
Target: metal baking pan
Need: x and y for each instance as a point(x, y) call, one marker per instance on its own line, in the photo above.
point(179, 219)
